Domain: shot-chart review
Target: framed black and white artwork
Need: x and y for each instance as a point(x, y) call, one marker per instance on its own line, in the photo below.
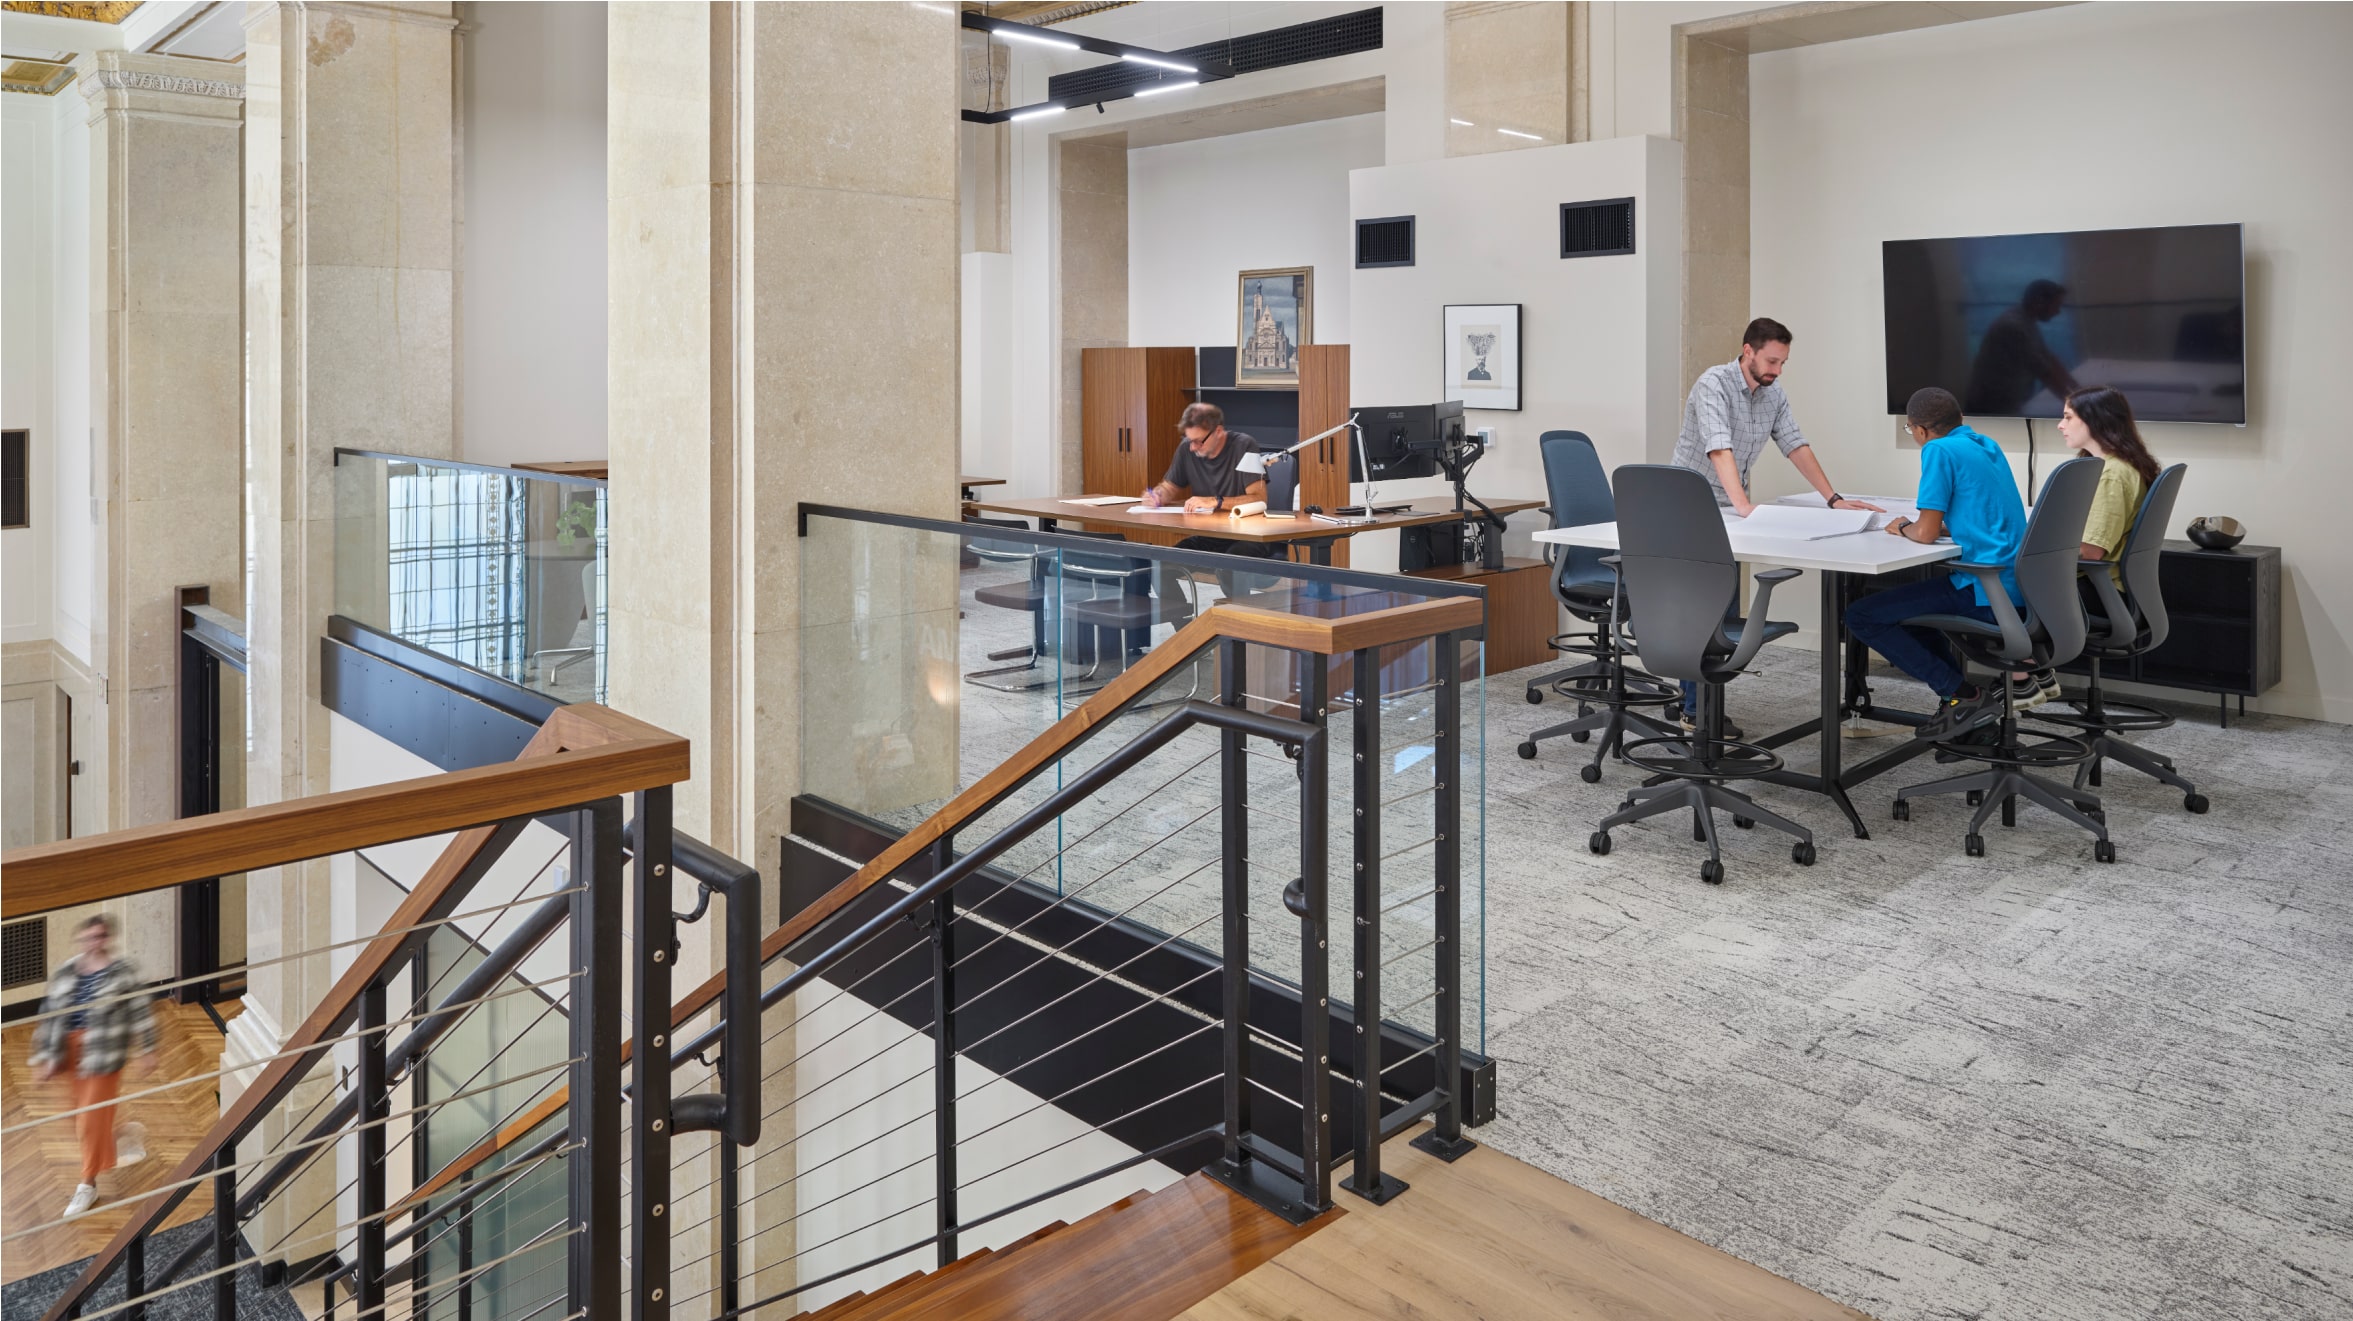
point(1483, 355)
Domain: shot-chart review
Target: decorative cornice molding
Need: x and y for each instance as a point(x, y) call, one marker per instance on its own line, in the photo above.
point(100, 81)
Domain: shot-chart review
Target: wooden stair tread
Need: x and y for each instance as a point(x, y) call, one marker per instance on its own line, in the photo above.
point(1144, 1258)
point(860, 1306)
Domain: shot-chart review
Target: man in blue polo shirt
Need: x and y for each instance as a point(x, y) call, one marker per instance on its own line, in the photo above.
point(1968, 494)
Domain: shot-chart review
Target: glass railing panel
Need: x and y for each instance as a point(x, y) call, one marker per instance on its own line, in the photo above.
point(498, 569)
point(932, 653)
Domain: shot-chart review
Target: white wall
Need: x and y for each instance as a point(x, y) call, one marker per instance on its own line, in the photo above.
point(2087, 117)
point(1598, 335)
point(532, 333)
point(27, 360)
point(1198, 213)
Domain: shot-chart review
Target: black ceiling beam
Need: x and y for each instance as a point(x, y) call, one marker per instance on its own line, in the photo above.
point(1171, 66)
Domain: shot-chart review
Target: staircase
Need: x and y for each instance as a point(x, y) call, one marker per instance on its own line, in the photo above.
point(1204, 1237)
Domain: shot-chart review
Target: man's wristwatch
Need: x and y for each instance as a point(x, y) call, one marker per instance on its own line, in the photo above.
point(1835, 497)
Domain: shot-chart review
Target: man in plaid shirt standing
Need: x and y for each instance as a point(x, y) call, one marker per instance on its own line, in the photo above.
point(96, 1009)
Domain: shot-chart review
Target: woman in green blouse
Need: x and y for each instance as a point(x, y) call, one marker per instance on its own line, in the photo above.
point(2097, 421)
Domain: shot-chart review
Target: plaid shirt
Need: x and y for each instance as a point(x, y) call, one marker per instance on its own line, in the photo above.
point(120, 1011)
point(1723, 413)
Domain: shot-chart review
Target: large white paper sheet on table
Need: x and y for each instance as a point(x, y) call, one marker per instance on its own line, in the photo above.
point(1097, 499)
point(1798, 523)
point(1157, 509)
point(1896, 506)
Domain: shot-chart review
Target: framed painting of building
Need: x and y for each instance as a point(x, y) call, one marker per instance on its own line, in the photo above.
point(1275, 315)
point(1482, 357)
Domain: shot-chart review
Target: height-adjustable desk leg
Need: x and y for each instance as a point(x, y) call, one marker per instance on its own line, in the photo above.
point(1833, 648)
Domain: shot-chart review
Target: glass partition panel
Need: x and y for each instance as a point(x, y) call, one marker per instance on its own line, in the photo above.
point(933, 653)
point(499, 569)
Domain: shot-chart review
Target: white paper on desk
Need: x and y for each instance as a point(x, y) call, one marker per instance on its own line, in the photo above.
point(1798, 523)
point(1895, 506)
point(1097, 499)
point(1157, 509)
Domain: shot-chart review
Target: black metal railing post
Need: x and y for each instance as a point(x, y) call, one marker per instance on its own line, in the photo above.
point(1234, 847)
point(135, 1277)
point(1315, 1010)
point(656, 927)
point(943, 1041)
point(420, 1140)
point(594, 1165)
point(465, 1274)
point(224, 1232)
point(1445, 1139)
point(375, 1109)
point(730, 1211)
point(1366, 1179)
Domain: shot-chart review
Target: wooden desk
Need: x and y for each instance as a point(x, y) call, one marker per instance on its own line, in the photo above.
point(592, 468)
point(1315, 535)
point(967, 485)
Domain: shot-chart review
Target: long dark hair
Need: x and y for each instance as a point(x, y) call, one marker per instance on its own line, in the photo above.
point(2107, 414)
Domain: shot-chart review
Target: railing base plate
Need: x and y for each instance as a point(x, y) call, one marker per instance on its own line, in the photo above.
point(1390, 1185)
point(1442, 1149)
point(1269, 1187)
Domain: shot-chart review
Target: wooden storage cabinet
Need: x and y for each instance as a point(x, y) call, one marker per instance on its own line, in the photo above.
point(1130, 400)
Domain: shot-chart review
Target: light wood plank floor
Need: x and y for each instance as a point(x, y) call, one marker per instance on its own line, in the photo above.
point(1492, 1238)
point(40, 1166)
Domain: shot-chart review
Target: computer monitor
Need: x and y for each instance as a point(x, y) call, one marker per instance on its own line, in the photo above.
point(1406, 441)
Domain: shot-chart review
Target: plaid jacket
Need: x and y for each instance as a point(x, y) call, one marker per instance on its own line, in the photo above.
point(121, 1012)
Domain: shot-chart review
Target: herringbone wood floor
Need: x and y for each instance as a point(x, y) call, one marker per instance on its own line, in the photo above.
point(40, 1166)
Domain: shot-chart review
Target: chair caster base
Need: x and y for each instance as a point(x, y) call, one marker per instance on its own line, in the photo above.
point(2194, 803)
point(1528, 750)
point(1581, 736)
point(1973, 844)
point(1535, 697)
point(1902, 810)
point(1712, 872)
point(1589, 774)
point(1976, 796)
point(1745, 823)
point(1600, 842)
point(1802, 853)
point(2104, 851)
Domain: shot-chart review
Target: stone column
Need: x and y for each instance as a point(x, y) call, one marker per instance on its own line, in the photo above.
point(1711, 117)
point(1508, 76)
point(350, 170)
point(783, 248)
point(164, 369)
point(1091, 225)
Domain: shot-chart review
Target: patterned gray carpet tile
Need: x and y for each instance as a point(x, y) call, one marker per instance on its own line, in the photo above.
point(2024, 1087)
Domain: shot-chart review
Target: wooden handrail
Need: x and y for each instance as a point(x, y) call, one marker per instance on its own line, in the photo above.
point(602, 754)
point(1307, 633)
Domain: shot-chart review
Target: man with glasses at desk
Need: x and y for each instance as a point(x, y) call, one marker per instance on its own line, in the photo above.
point(1206, 473)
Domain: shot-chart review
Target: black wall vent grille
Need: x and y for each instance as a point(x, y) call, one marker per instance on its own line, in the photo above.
point(1341, 34)
point(1384, 242)
point(24, 953)
point(1597, 229)
point(16, 480)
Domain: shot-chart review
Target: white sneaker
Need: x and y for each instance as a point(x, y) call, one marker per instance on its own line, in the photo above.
point(130, 1146)
point(85, 1197)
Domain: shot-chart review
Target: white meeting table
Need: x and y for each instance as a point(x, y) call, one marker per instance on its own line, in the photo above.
point(1834, 560)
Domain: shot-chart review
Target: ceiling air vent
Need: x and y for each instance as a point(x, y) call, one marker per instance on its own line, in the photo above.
point(1384, 242)
point(24, 953)
point(1597, 229)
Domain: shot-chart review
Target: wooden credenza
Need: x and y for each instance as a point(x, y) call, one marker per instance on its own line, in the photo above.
point(1130, 402)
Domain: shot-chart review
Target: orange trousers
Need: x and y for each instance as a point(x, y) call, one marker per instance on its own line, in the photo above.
point(95, 1124)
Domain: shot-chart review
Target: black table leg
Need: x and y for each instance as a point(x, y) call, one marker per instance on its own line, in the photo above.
point(1833, 645)
point(1319, 551)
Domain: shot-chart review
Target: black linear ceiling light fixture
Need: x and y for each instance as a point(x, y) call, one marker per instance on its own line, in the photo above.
point(1178, 71)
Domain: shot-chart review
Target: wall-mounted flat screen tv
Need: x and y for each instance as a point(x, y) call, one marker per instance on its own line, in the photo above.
point(2010, 323)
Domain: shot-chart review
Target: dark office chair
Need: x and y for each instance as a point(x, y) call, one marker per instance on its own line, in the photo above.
point(1585, 581)
point(2126, 625)
point(2050, 632)
point(1683, 584)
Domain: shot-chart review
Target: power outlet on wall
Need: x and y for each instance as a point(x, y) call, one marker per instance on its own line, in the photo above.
point(1486, 437)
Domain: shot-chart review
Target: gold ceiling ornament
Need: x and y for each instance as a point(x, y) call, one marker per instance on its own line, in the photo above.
point(37, 77)
point(96, 11)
